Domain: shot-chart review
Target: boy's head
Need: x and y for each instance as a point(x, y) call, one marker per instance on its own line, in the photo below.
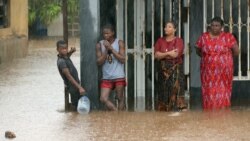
point(62, 47)
point(61, 43)
point(108, 32)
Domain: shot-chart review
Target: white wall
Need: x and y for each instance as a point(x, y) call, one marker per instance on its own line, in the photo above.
point(56, 27)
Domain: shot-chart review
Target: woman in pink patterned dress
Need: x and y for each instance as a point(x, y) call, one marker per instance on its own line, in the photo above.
point(216, 49)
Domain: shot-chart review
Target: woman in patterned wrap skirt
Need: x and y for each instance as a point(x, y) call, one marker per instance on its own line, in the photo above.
point(169, 52)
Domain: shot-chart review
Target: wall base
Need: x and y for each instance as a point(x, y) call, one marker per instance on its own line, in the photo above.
point(13, 47)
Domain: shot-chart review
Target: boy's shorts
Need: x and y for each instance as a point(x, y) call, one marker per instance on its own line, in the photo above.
point(113, 83)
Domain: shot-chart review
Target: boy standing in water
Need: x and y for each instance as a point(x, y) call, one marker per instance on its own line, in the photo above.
point(69, 72)
point(110, 54)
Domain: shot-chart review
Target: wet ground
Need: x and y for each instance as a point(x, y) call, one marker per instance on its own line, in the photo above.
point(32, 106)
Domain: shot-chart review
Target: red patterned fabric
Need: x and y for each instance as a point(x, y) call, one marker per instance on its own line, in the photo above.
point(216, 69)
point(162, 45)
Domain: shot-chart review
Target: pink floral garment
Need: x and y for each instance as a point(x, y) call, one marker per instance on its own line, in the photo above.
point(216, 69)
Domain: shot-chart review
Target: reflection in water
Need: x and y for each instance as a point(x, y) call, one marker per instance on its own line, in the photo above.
point(31, 105)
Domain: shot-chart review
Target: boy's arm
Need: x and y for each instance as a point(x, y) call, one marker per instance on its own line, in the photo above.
point(101, 57)
point(72, 50)
point(66, 72)
point(121, 54)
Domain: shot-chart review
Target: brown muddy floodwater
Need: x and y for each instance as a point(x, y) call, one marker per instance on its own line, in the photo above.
point(32, 106)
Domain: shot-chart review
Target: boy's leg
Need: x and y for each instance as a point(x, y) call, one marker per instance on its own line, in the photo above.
point(120, 95)
point(74, 95)
point(105, 99)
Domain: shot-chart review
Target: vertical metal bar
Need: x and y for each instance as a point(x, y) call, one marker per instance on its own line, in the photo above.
point(221, 9)
point(117, 26)
point(126, 43)
point(161, 7)
point(119, 20)
point(205, 15)
point(186, 61)
point(231, 17)
point(135, 52)
point(239, 35)
point(65, 21)
point(179, 21)
point(152, 39)
point(213, 8)
point(143, 47)
point(139, 70)
point(170, 10)
point(188, 50)
point(248, 45)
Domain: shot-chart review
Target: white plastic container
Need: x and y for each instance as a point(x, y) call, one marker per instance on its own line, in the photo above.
point(83, 105)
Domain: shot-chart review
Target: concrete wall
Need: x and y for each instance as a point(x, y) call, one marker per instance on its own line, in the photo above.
point(14, 39)
point(74, 27)
point(196, 28)
point(12, 48)
point(19, 17)
point(56, 27)
point(90, 30)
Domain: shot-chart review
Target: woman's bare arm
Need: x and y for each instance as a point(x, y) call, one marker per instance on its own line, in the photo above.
point(235, 49)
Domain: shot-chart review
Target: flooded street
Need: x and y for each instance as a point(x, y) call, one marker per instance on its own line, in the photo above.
point(32, 106)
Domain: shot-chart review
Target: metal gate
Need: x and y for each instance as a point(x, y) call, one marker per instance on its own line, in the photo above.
point(140, 23)
point(236, 17)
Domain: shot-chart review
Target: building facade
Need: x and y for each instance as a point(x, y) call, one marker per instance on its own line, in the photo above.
point(13, 29)
point(140, 22)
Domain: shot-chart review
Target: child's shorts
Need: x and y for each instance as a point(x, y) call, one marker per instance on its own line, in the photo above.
point(113, 83)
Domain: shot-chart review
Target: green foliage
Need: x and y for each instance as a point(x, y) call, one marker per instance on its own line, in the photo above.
point(32, 16)
point(73, 9)
point(47, 10)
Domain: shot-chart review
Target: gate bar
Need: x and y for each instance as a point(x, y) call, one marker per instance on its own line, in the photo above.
point(170, 10)
point(221, 9)
point(126, 44)
point(188, 50)
point(248, 46)
point(204, 15)
point(179, 18)
point(239, 35)
point(231, 17)
point(135, 54)
point(213, 8)
point(152, 39)
point(161, 15)
point(143, 47)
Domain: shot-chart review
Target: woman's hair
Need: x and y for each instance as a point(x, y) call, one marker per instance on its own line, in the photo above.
point(219, 20)
point(171, 22)
point(174, 25)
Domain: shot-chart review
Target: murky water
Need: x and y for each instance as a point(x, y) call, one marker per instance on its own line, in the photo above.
point(32, 106)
